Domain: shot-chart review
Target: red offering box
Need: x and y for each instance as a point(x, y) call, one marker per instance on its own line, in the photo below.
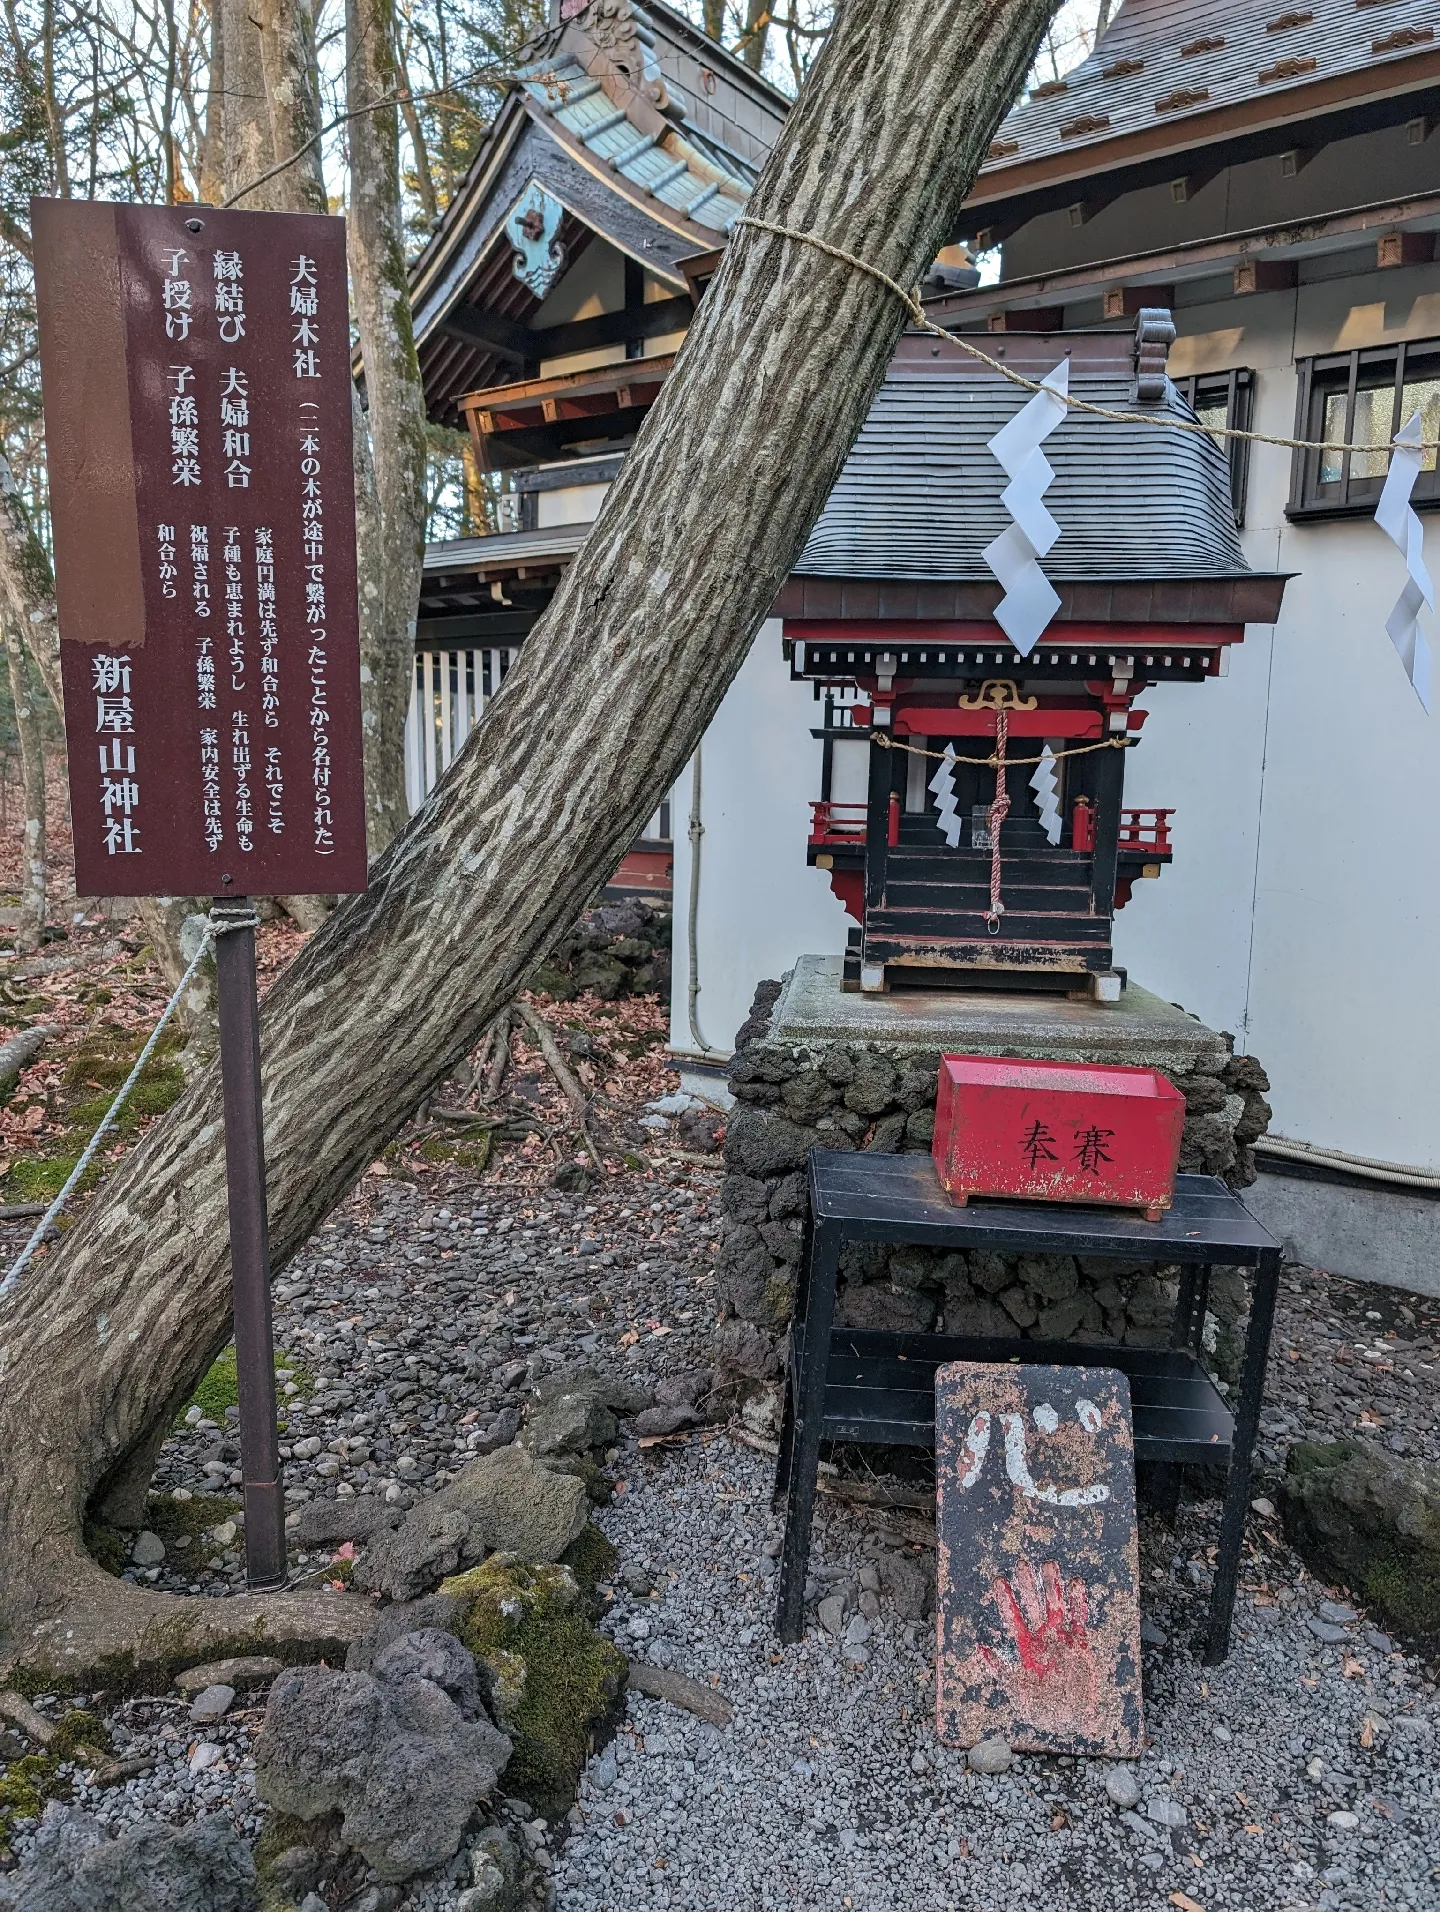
point(1057, 1132)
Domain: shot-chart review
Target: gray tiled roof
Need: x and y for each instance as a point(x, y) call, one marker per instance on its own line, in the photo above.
point(919, 496)
point(1166, 61)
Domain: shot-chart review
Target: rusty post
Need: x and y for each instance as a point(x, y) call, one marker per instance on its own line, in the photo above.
point(249, 1242)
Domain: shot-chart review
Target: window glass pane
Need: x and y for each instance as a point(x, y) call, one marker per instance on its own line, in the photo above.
point(1374, 409)
point(1211, 413)
point(1423, 395)
point(1332, 430)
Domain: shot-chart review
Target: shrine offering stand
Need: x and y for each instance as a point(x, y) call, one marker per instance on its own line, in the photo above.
point(848, 1384)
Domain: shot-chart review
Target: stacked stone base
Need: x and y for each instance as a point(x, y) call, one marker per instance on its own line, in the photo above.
point(814, 1068)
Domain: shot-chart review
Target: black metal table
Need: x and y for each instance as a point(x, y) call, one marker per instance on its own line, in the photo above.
point(847, 1384)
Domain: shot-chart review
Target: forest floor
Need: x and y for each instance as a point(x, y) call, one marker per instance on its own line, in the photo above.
point(1301, 1774)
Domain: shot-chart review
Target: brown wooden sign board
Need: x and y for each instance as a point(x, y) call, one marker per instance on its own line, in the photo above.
point(1039, 1573)
point(197, 388)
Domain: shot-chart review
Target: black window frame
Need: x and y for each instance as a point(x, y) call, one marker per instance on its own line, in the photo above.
point(1237, 389)
point(1369, 368)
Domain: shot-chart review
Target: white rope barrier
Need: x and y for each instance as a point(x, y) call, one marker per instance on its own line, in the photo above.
point(212, 929)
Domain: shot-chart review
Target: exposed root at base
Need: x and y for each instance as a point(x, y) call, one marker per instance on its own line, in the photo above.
point(108, 1635)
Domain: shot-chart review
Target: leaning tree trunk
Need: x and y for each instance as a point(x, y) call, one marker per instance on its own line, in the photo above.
point(381, 287)
point(31, 737)
point(102, 1342)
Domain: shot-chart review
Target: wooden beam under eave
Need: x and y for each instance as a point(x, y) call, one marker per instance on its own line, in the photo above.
point(1404, 249)
point(1264, 275)
point(1035, 318)
point(1123, 302)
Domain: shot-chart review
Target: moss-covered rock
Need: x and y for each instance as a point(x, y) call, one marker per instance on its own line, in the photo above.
point(1371, 1521)
point(555, 1683)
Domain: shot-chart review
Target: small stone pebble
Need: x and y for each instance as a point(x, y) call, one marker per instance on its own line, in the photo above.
point(214, 1703)
point(990, 1756)
point(1123, 1787)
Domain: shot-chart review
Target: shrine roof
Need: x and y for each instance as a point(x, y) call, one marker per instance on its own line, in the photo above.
point(919, 496)
point(1171, 75)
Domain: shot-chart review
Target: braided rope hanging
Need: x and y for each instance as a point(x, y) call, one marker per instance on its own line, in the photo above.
point(999, 810)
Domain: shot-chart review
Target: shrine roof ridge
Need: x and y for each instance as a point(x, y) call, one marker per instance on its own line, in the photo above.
point(919, 496)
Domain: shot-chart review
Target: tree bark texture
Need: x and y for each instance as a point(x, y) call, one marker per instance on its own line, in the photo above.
point(381, 291)
point(35, 885)
point(104, 1338)
point(27, 585)
point(272, 106)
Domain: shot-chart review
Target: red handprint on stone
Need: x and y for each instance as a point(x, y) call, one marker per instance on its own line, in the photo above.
point(1052, 1682)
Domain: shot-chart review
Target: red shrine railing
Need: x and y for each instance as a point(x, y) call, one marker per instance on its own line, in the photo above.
point(839, 823)
point(1145, 829)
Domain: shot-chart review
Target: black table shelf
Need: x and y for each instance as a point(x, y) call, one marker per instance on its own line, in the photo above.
point(849, 1384)
point(881, 1388)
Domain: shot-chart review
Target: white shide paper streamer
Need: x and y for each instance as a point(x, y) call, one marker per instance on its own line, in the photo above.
point(1030, 601)
point(947, 817)
point(1396, 518)
point(1045, 784)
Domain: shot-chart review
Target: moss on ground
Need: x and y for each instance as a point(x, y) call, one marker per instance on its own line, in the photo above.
point(91, 1077)
point(470, 1148)
point(220, 1388)
point(556, 1681)
point(27, 1783)
point(187, 1520)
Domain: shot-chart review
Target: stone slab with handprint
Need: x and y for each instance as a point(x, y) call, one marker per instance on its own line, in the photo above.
point(1038, 1605)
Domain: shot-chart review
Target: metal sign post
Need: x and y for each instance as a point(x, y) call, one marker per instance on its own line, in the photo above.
point(197, 386)
point(249, 1241)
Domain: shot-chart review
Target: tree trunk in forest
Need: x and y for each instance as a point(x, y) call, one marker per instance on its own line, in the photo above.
point(35, 886)
point(756, 34)
point(104, 1338)
point(381, 289)
point(27, 585)
point(174, 925)
point(212, 153)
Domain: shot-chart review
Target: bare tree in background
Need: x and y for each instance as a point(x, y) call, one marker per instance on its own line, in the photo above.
point(381, 289)
point(31, 736)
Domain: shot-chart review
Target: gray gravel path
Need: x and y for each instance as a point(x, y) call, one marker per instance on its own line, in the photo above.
point(830, 1789)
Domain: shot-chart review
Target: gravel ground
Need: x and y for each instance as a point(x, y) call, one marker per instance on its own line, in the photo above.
point(830, 1790)
point(431, 1303)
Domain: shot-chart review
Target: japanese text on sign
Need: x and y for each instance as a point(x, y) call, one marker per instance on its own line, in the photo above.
point(228, 724)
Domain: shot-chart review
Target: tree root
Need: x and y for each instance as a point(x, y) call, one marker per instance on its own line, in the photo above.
point(106, 1634)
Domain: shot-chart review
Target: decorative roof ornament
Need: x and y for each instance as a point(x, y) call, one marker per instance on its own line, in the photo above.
point(1030, 600)
point(531, 228)
point(1397, 519)
point(621, 32)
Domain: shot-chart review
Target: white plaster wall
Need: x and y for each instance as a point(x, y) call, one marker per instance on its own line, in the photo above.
point(1303, 908)
point(760, 907)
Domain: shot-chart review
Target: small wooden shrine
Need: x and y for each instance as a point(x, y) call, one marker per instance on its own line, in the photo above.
point(956, 875)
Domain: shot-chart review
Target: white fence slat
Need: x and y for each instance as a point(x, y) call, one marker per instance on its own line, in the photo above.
point(447, 700)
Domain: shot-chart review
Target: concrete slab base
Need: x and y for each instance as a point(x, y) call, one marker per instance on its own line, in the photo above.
point(1366, 1233)
point(1140, 1029)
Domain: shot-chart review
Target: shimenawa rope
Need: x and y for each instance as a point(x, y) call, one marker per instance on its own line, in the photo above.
point(911, 302)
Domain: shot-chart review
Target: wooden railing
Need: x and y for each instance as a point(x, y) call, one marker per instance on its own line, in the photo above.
point(840, 823)
point(1146, 830)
